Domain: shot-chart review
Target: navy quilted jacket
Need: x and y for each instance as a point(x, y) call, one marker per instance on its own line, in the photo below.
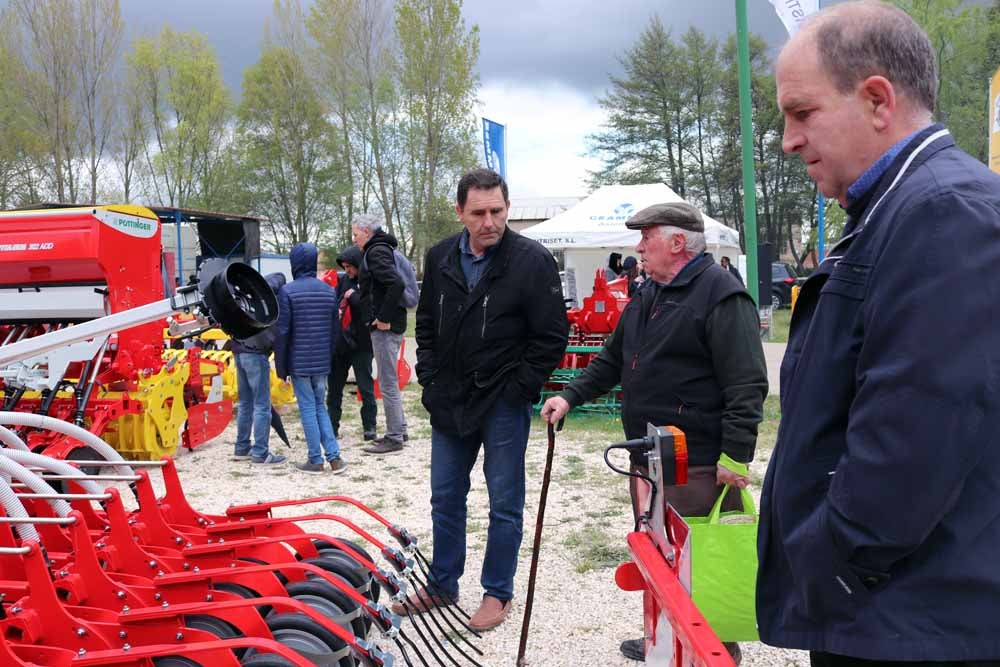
point(307, 315)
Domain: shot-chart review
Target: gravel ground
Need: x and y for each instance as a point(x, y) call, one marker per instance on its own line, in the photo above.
point(579, 616)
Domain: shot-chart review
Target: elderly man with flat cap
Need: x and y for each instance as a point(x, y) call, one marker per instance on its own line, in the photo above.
point(687, 353)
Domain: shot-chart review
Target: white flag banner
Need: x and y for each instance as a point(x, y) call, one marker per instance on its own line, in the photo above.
point(793, 12)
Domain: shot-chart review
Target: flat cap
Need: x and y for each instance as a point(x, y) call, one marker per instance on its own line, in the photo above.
point(676, 214)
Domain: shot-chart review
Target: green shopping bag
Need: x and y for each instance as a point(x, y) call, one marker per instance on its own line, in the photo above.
point(723, 560)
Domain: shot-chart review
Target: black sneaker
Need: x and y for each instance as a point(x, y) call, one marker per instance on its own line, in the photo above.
point(311, 468)
point(337, 466)
point(384, 446)
point(634, 649)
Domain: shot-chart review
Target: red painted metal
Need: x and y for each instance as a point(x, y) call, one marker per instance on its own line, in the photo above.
point(74, 247)
point(666, 600)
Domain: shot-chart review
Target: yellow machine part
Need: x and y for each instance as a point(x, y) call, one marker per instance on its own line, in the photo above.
point(281, 392)
point(156, 430)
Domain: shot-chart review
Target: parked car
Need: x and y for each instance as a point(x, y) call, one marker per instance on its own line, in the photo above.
point(783, 278)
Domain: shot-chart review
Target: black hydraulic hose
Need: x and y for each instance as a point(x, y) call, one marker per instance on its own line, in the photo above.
point(413, 646)
point(48, 396)
point(82, 393)
point(11, 401)
point(429, 612)
point(88, 379)
point(425, 569)
point(641, 445)
point(448, 609)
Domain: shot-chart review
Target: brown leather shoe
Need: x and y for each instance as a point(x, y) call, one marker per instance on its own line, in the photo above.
point(491, 613)
point(422, 601)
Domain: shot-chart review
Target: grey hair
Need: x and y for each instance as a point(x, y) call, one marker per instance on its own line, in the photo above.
point(372, 223)
point(857, 40)
point(694, 242)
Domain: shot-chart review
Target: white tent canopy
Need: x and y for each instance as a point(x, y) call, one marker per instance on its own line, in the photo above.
point(589, 231)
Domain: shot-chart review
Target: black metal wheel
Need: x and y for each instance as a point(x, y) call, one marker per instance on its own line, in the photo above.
point(328, 549)
point(175, 661)
point(218, 627)
point(332, 602)
point(240, 301)
point(307, 638)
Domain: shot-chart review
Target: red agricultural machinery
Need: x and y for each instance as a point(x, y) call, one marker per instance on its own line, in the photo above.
point(676, 633)
point(589, 328)
point(62, 268)
point(86, 582)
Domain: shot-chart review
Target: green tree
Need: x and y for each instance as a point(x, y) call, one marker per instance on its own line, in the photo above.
point(48, 82)
point(646, 136)
point(99, 38)
point(187, 110)
point(959, 32)
point(20, 148)
point(438, 86)
point(291, 169)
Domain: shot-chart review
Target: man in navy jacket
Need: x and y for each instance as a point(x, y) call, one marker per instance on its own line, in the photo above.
point(879, 526)
point(307, 323)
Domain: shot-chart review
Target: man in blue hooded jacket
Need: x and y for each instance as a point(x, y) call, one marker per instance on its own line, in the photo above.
point(307, 321)
point(879, 524)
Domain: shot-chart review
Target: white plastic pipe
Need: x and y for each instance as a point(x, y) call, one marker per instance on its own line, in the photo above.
point(59, 426)
point(12, 440)
point(11, 468)
point(54, 465)
point(13, 508)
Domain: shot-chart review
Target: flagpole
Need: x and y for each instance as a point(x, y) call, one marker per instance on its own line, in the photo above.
point(746, 131)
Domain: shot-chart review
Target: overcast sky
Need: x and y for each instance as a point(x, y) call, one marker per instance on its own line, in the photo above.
point(543, 63)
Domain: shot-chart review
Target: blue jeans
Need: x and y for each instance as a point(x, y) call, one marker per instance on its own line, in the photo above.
point(504, 438)
point(253, 383)
point(310, 393)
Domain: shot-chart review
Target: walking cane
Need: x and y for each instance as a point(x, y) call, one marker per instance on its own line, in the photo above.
point(538, 542)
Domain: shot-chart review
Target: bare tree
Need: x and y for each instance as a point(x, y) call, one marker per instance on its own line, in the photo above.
point(99, 39)
point(50, 85)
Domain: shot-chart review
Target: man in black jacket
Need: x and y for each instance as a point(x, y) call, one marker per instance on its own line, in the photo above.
point(353, 349)
point(491, 327)
point(687, 353)
point(385, 315)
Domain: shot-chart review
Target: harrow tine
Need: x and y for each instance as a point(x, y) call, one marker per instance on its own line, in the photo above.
point(456, 608)
point(420, 633)
point(409, 641)
point(448, 609)
point(429, 612)
point(402, 652)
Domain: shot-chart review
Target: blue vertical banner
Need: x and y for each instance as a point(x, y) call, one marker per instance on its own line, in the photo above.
point(495, 146)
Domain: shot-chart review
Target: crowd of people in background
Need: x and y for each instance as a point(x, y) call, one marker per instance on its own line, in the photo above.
point(322, 333)
point(877, 531)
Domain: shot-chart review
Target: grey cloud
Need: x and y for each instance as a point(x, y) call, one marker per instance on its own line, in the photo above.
point(531, 42)
point(578, 43)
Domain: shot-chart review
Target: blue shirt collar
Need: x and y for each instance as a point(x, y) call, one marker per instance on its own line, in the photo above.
point(878, 168)
point(463, 245)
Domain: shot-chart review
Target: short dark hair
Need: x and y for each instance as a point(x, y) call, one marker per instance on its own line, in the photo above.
point(862, 39)
point(480, 179)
